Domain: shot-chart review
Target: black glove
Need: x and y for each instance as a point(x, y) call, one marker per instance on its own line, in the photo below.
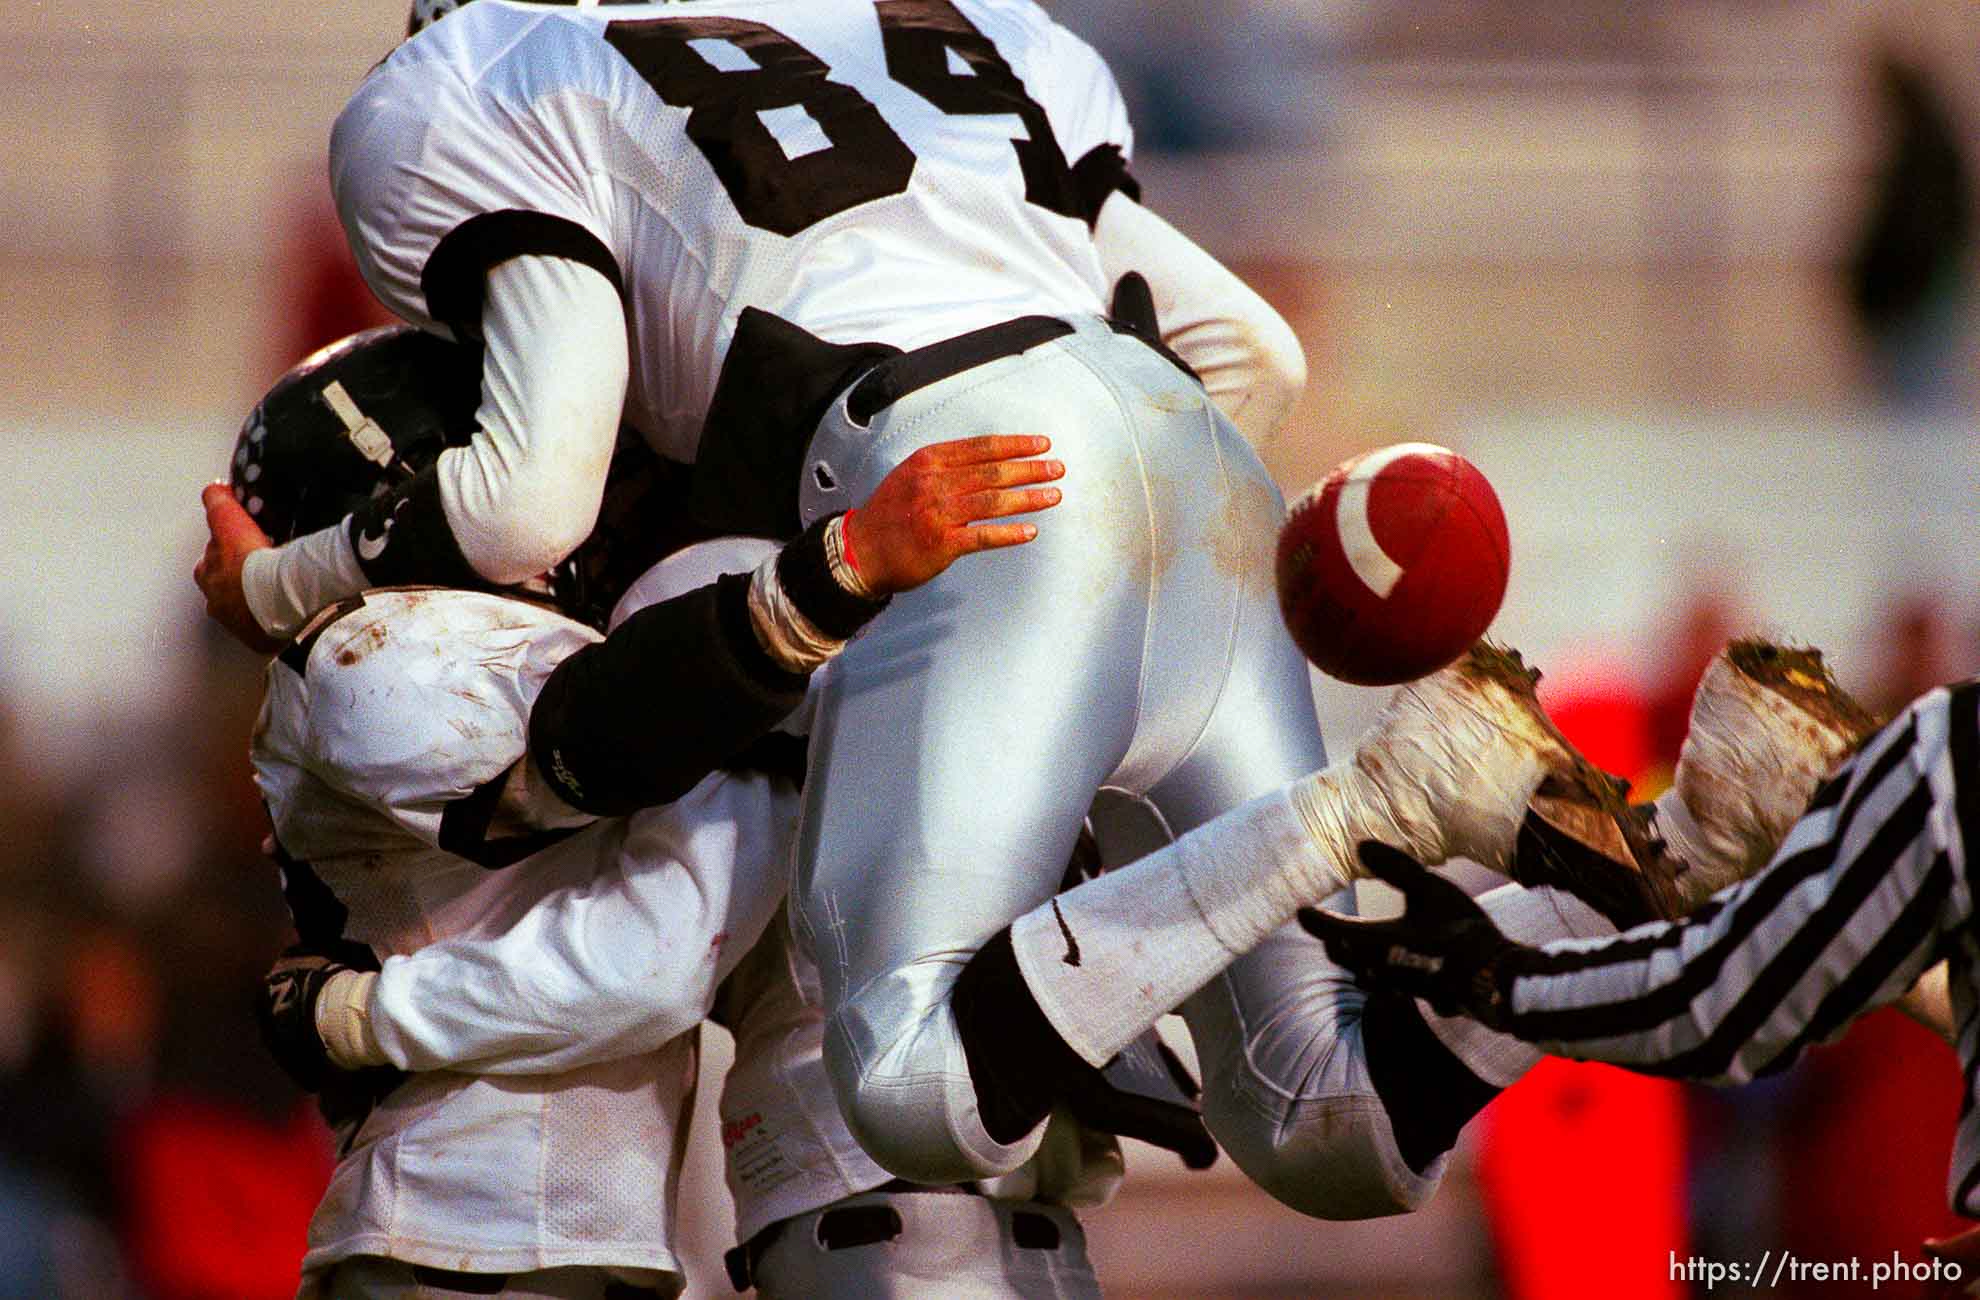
point(1443, 948)
point(286, 1011)
point(1145, 1093)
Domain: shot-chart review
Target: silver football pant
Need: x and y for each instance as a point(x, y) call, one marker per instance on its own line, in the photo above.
point(950, 1246)
point(1287, 1091)
point(1134, 646)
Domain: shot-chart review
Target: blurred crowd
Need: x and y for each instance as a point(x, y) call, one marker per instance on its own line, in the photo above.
point(148, 1147)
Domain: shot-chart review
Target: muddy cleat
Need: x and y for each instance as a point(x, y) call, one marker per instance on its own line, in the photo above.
point(1450, 768)
point(1587, 839)
point(1768, 723)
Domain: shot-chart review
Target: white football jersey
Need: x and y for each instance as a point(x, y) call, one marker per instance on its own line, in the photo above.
point(890, 171)
point(376, 725)
point(785, 1145)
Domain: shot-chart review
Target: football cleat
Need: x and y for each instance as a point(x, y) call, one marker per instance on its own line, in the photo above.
point(1453, 763)
point(1768, 723)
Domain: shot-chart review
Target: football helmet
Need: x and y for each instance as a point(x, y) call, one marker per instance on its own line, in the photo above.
point(350, 421)
point(363, 415)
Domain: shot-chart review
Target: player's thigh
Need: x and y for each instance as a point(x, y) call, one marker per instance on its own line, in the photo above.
point(928, 1246)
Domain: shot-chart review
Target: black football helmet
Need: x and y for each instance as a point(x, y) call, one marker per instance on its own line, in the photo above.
point(361, 416)
point(350, 421)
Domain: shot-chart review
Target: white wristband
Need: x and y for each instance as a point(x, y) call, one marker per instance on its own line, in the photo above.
point(786, 635)
point(343, 1020)
point(835, 556)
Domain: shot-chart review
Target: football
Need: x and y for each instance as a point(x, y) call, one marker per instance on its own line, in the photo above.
point(1393, 565)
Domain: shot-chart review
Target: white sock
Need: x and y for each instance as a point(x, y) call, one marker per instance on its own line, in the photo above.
point(1149, 934)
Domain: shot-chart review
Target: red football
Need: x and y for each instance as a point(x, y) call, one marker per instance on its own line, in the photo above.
point(1391, 566)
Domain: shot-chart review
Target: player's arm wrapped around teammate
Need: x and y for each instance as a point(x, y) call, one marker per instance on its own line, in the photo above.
point(286, 1014)
point(606, 946)
point(612, 731)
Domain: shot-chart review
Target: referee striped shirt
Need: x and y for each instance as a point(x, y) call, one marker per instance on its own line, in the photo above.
point(1873, 885)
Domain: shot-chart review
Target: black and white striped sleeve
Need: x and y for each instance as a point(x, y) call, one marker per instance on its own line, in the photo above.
point(1870, 887)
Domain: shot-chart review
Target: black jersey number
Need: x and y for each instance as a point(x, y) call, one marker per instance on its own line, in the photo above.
point(771, 190)
point(864, 158)
point(919, 36)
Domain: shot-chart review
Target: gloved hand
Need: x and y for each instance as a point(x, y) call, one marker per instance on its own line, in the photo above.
point(286, 1011)
point(1443, 948)
point(286, 1014)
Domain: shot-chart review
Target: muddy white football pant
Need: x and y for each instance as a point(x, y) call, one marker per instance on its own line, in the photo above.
point(1135, 645)
point(933, 1245)
point(373, 1277)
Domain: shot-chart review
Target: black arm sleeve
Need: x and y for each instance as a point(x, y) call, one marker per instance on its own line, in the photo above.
point(402, 538)
point(806, 577)
point(672, 694)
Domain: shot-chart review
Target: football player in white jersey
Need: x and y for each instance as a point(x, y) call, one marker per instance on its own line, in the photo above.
point(574, 984)
point(788, 240)
point(680, 215)
point(388, 753)
point(776, 237)
point(667, 255)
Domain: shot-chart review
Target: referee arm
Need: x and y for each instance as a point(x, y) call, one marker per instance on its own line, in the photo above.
point(1870, 888)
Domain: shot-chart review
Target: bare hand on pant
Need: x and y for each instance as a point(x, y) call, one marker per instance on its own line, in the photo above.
point(925, 513)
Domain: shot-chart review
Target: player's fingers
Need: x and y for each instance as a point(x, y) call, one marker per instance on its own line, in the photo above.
point(1009, 501)
point(216, 497)
point(1389, 864)
point(985, 447)
point(228, 520)
point(963, 479)
point(991, 537)
point(1322, 924)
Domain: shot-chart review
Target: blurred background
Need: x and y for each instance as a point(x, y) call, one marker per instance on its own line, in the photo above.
point(1691, 280)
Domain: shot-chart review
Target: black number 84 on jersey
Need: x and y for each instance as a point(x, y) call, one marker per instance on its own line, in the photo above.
point(866, 159)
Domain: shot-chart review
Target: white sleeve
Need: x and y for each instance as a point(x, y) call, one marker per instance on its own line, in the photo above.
point(525, 493)
point(285, 585)
point(1248, 357)
point(612, 966)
